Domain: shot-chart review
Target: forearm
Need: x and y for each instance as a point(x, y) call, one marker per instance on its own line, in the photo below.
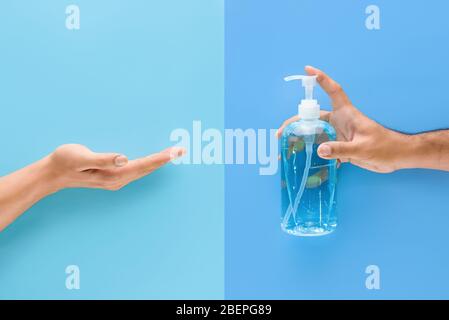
point(23, 188)
point(425, 150)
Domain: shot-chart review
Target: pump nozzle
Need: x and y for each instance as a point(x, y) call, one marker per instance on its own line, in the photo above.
point(308, 82)
point(309, 107)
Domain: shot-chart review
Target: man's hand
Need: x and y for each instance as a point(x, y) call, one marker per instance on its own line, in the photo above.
point(360, 140)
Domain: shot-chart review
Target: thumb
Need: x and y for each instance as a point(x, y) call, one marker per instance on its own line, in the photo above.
point(107, 160)
point(336, 150)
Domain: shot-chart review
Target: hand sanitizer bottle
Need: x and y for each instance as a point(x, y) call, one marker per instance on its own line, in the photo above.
point(307, 181)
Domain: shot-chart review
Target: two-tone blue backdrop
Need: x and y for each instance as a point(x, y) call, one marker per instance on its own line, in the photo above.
point(138, 69)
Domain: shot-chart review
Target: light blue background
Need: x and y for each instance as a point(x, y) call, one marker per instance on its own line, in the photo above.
point(398, 76)
point(135, 71)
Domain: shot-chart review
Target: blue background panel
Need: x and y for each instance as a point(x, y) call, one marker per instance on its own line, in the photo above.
point(135, 71)
point(396, 75)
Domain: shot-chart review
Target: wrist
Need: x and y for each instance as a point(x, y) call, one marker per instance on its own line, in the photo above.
point(47, 177)
point(410, 151)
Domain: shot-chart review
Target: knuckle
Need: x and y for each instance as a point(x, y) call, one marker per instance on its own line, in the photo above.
point(60, 149)
point(337, 88)
point(67, 146)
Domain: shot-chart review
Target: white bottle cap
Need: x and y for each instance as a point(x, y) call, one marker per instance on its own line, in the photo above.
point(309, 108)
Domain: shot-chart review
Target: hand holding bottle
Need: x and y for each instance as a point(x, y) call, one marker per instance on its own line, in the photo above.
point(73, 166)
point(365, 143)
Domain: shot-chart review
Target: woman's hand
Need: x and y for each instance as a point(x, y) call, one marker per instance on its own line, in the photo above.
point(73, 166)
point(76, 166)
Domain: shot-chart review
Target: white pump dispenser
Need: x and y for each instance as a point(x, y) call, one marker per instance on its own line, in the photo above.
point(308, 109)
point(307, 210)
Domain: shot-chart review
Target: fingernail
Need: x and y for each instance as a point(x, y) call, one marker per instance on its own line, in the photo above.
point(324, 150)
point(177, 152)
point(120, 160)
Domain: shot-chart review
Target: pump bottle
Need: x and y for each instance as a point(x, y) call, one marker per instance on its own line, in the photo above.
point(308, 182)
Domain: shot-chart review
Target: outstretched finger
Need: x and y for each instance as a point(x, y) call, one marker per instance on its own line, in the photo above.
point(143, 166)
point(332, 88)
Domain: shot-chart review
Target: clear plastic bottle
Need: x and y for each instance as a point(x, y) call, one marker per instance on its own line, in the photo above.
point(308, 182)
